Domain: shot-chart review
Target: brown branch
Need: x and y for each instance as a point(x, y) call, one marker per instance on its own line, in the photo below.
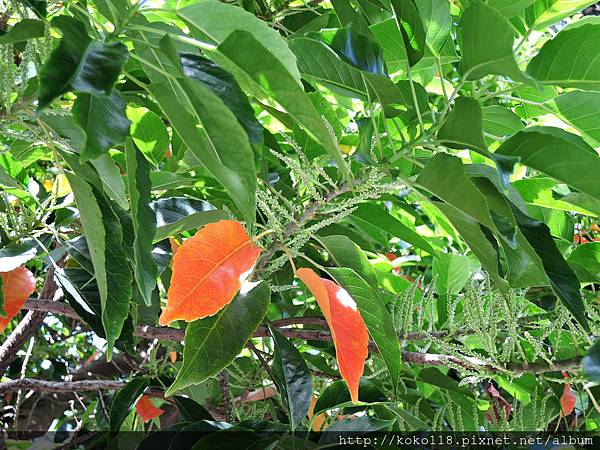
point(33, 384)
point(28, 326)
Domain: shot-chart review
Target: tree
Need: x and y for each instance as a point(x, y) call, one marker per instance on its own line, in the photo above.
point(295, 215)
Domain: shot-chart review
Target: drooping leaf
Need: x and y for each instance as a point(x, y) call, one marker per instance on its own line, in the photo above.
point(15, 255)
point(410, 25)
point(177, 214)
point(380, 218)
point(146, 409)
point(558, 153)
point(564, 61)
point(376, 317)
point(79, 64)
point(347, 254)
point(17, 286)
point(100, 135)
point(486, 40)
point(337, 393)
point(213, 342)
point(144, 221)
point(544, 13)
point(292, 378)
point(256, 62)
point(111, 179)
point(567, 400)
point(562, 278)
point(24, 30)
point(190, 410)
point(208, 270)
point(348, 329)
point(124, 401)
point(226, 88)
point(463, 127)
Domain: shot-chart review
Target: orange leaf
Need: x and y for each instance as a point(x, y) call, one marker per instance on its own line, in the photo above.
point(173, 356)
point(567, 400)
point(208, 270)
point(17, 286)
point(146, 409)
point(320, 419)
point(348, 329)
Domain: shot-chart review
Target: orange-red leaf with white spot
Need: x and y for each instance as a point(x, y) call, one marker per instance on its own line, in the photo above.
point(17, 286)
point(208, 271)
point(146, 409)
point(348, 329)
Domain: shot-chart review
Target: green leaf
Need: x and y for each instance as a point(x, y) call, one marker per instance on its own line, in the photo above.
point(213, 343)
point(361, 425)
point(585, 260)
point(451, 273)
point(149, 133)
point(346, 253)
point(437, 22)
point(190, 410)
point(500, 122)
point(100, 135)
point(510, 8)
point(591, 362)
point(378, 217)
point(337, 393)
point(565, 60)
point(111, 179)
point(544, 13)
point(104, 236)
point(116, 11)
point(39, 7)
point(175, 215)
point(14, 255)
point(376, 316)
point(124, 401)
point(463, 127)
point(226, 88)
point(217, 21)
point(562, 155)
point(582, 110)
point(358, 50)
point(144, 221)
point(256, 62)
point(292, 378)
point(562, 278)
point(79, 64)
point(24, 30)
point(486, 40)
point(410, 25)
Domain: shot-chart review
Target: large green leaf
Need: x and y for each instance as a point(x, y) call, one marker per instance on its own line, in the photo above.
point(411, 28)
point(585, 260)
point(79, 64)
point(216, 21)
point(463, 127)
point(378, 217)
point(562, 278)
point(213, 342)
point(347, 254)
point(451, 273)
point(567, 61)
point(144, 221)
point(254, 61)
point(292, 378)
point(510, 8)
point(226, 88)
point(111, 179)
point(544, 13)
point(104, 235)
point(100, 135)
point(376, 316)
point(178, 214)
point(582, 110)
point(486, 40)
point(562, 155)
point(437, 22)
point(149, 133)
point(24, 30)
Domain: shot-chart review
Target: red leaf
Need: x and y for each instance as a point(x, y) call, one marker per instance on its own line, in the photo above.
point(348, 329)
point(17, 286)
point(146, 409)
point(208, 270)
point(567, 400)
point(499, 403)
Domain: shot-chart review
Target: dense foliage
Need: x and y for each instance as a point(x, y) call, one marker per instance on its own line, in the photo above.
point(291, 215)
